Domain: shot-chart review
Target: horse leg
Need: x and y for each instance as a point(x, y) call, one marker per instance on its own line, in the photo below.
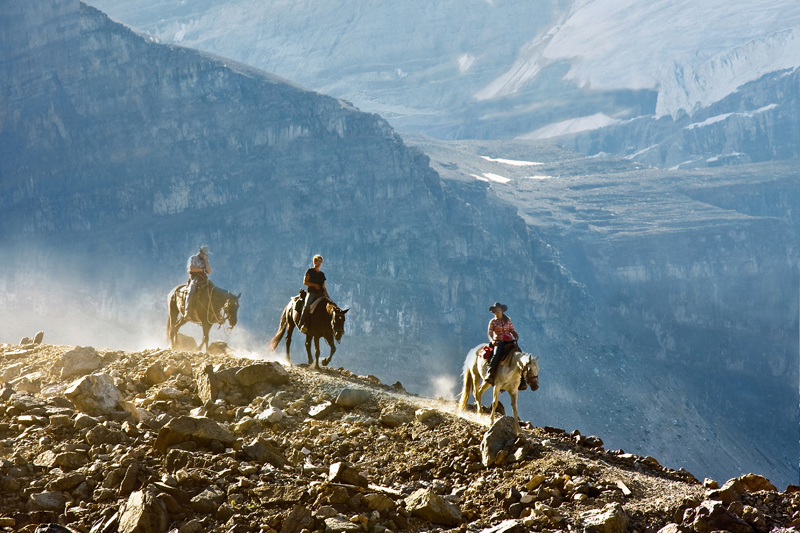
point(495, 399)
point(289, 342)
point(332, 343)
point(479, 390)
point(514, 395)
point(316, 351)
point(308, 350)
point(204, 343)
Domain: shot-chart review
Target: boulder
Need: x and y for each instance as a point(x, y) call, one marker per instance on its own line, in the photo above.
point(47, 501)
point(63, 460)
point(207, 386)
point(502, 434)
point(66, 482)
point(343, 472)
point(340, 524)
point(200, 430)
point(266, 372)
point(755, 483)
point(426, 504)
point(185, 343)
point(79, 362)
point(217, 348)
point(38, 338)
point(379, 502)
point(610, 519)
point(395, 419)
point(100, 434)
point(299, 518)
point(713, 516)
point(155, 374)
point(352, 397)
point(322, 410)
point(272, 415)
point(208, 501)
point(95, 394)
point(262, 451)
point(143, 513)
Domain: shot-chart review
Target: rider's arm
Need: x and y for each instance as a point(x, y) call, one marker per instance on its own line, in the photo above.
point(208, 265)
point(491, 331)
point(308, 283)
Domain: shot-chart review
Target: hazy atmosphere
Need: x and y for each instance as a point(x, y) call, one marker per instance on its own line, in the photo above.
point(623, 176)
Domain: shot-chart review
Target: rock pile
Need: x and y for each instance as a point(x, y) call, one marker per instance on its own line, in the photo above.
point(160, 441)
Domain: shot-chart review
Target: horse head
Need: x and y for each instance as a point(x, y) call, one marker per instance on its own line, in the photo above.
point(530, 370)
point(337, 322)
point(231, 308)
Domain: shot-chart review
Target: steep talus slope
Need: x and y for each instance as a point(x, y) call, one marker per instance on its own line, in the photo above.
point(115, 175)
point(695, 279)
point(221, 443)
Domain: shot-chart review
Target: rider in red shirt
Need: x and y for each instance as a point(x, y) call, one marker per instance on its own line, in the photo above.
point(501, 334)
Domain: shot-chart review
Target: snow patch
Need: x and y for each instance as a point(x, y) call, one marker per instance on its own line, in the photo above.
point(718, 157)
point(573, 125)
point(640, 152)
point(488, 176)
point(720, 118)
point(465, 61)
point(539, 177)
point(512, 162)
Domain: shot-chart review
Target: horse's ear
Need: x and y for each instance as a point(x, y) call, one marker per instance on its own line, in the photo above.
point(345, 310)
point(536, 359)
point(238, 295)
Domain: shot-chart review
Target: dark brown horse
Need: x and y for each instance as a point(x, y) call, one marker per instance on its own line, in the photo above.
point(210, 306)
point(325, 321)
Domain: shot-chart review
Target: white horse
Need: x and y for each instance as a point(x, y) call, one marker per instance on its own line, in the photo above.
point(515, 365)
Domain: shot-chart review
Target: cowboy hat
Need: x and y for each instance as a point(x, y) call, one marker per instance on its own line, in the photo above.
point(501, 306)
point(205, 250)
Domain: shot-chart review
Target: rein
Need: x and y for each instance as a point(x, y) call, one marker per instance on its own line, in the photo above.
point(217, 318)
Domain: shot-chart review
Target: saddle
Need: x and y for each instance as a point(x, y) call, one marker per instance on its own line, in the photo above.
point(487, 351)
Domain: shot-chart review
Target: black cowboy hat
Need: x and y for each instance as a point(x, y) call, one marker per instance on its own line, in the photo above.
point(501, 306)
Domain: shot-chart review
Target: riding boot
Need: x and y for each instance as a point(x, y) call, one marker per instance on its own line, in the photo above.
point(522, 383)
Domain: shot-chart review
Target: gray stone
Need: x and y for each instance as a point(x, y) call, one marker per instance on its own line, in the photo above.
point(322, 410)
point(47, 501)
point(130, 480)
point(143, 513)
point(351, 397)
point(395, 419)
point(200, 430)
point(95, 394)
point(64, 460)
point(610, 519)
point(502, 434)
point(155, 374)
point(379, 502)
point(671, 528)
point(712, 515)
point(340, 524)
point(217, 348)
point(266, 372)
point(426, 504)
point(299, 518)
point(207, 387)
point(66, 482)
point(262, 451)
point(208, 501)
point(343, 472)
point(272, 415)
point(38, 338)
point(79, 362)
point(83, 421)
point(506, 526)
point(100, 434)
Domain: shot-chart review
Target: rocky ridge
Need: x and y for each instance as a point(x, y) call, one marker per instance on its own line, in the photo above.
point(159, 440)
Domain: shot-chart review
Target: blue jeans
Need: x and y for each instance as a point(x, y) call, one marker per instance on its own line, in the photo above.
point(310, 299)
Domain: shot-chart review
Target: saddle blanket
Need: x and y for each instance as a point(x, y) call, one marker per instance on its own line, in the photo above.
point(486, 352)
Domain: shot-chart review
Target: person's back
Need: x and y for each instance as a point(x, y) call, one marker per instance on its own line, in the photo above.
point(314, 279)
point(199, 268)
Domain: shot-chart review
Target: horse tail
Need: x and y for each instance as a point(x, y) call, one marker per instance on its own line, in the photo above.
point(172, 315)
point(274, 341)
point(467, 373)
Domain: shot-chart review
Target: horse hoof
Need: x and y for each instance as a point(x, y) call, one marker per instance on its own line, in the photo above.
point(326, 362)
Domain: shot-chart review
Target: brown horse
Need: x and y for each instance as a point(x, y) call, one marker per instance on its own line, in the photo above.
point(210, 306)
point(325, 321)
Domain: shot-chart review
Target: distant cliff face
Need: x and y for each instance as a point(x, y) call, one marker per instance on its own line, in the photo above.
point(133, 153)
point(759, 122)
